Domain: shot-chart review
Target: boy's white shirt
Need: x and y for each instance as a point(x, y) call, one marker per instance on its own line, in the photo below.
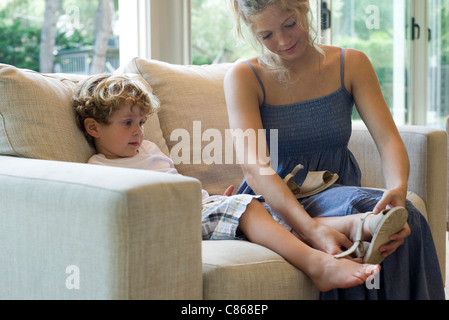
point(150, 157)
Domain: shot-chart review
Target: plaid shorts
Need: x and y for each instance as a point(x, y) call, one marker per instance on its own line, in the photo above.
point(221, 215)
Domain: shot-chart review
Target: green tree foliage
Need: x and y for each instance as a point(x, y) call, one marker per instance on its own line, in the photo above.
point(212, 38)
point(440, 13)
point(350, 30)
point(19, 45)
point(21, 26)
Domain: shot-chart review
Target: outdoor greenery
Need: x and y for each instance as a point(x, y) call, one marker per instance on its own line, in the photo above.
point(21, 26)
point(212, 38)
point(440, 13)
point(19, 45)
point(350, 30)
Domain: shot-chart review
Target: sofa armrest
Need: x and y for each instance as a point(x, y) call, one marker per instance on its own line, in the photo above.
point(427, 149)
point(77, 231)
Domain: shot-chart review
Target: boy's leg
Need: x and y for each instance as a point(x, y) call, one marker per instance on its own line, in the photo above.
point(325, 271)
point(347, 225)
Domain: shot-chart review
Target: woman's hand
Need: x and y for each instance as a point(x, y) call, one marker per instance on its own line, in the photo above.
point(393, 198)
point(328, 240)
point(397, 240)
point(390, 199)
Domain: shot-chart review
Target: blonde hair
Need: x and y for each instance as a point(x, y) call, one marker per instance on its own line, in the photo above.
point(99, 96)
point(245, 10)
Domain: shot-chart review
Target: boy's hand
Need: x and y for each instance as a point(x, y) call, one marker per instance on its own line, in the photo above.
point(229, 191)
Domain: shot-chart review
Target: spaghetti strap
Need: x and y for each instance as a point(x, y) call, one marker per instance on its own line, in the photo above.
point(258, 78)
point(342, 67)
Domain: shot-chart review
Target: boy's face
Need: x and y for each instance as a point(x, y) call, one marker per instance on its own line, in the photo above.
point(123, 135)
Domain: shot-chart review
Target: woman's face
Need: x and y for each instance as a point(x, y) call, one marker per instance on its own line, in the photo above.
point(279, 32)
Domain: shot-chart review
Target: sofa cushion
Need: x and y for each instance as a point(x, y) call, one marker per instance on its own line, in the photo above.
point(193, 119)
point(36, 118)
point(240, 270)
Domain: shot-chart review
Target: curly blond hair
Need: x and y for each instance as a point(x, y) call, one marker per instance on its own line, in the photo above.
point(99, 96)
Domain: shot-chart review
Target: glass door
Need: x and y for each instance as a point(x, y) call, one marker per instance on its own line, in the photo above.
point(380, 31)
point(438, 52)
point(408, 44)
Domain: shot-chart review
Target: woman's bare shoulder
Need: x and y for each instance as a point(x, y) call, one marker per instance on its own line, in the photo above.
point(356, 57)
point(242, 75)
point(241, 82)
point(241, 68)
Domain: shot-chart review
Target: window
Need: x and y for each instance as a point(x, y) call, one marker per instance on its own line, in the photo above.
point(438, 65)
point(378, 31)
point(155, 29)
point(59, 35)
point(408, 44)
point(212, 39)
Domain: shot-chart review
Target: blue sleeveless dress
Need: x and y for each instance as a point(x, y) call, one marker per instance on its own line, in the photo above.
point(316, 134)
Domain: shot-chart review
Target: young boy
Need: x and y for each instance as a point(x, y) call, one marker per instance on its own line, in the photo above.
point(111, 110)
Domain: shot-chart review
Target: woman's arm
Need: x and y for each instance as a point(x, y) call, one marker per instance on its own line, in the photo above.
point(374, 111)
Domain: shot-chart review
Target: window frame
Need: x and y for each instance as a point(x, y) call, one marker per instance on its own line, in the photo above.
point(155, 29)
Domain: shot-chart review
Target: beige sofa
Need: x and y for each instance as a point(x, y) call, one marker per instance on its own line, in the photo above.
point(73, 231)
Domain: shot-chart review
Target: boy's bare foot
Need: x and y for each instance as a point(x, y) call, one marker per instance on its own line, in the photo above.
point(355, 221)
point(333, 273)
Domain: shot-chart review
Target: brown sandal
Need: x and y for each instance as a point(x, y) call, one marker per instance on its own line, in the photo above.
point(315, 182)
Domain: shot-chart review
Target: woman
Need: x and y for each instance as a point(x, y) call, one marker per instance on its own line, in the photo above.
point(307, 91)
